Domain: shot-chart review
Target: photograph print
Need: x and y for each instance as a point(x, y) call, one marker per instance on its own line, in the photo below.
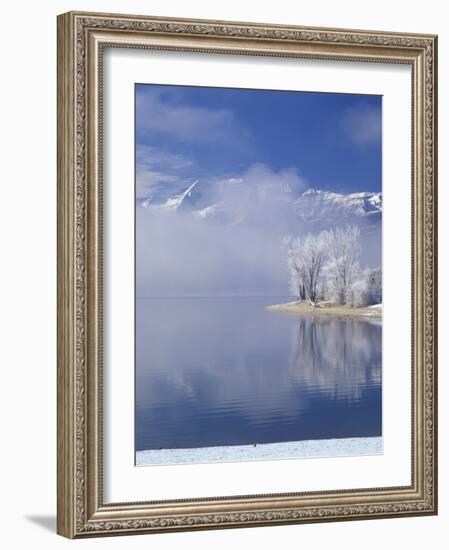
point(258, 274)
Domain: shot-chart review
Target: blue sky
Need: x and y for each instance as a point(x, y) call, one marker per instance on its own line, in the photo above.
point(329, 141)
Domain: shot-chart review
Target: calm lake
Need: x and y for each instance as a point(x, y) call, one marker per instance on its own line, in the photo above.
point(225, 371)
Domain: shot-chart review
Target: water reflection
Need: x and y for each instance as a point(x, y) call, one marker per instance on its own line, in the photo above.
point(329, 353)
point(225, 371)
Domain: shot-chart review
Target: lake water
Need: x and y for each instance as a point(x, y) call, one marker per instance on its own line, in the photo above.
point(226, 371)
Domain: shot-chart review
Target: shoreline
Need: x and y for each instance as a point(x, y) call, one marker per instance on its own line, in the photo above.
point(311, 448)
point(330, 310)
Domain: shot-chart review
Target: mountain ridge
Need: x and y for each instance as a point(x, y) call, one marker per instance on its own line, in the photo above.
point(311, 205)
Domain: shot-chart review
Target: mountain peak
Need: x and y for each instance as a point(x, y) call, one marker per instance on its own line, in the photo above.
point(175, 202)
point(311, 191)
point(188, 192)
point(314, 205)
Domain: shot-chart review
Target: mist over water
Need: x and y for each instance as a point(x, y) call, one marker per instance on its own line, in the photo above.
point(178, 255)
point(238, 250)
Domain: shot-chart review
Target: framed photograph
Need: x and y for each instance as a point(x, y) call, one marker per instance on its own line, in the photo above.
point(247, 249)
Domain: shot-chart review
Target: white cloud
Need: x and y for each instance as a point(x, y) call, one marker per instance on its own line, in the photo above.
point(363, 124)
point(237, 252)
point(148, 155)
point(259, 192)
point(185, 122)
point(157, 168)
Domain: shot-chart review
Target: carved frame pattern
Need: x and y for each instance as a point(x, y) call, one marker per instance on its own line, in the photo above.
point(81, 37)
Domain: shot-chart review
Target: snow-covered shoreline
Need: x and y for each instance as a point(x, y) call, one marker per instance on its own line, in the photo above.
point(320, 448)
point(327, 309)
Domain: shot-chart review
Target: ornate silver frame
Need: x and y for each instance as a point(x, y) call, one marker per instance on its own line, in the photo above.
point(81, 38)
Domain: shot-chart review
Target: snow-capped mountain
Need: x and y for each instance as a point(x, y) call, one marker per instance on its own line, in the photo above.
point(315, 205)
point(173, 203)
point(236, 203)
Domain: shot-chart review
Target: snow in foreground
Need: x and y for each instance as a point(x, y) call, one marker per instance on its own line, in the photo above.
point(355, 446)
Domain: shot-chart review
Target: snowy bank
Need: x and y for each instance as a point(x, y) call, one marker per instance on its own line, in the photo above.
point(321, 448)
point(328, 309)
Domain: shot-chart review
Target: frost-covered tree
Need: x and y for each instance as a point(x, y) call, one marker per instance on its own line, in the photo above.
point(305, 259)
point(325, 266)
point(296, 267)
point(366, 289)
point(314, 253)
point(373, 278)
point(342, 268)
point(356, 294)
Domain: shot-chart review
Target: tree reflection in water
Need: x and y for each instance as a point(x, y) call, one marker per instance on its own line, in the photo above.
point(337, 357)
